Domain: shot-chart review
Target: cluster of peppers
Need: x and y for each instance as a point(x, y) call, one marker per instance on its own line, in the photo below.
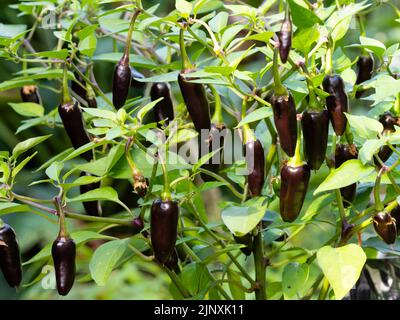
point(294, 174)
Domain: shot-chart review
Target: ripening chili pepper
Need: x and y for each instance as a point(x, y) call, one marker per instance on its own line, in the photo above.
point(71, 116)
point(295, 176)
point(336, 103)
point(247, 240)
point(385, 227)
point(30, 94)
point(163, 226)
point(388, 121)
point(194, 94)
point(315, 125)
point(10, 259)
point(343, 153)
point(92, 208)
point(122, 72)
point(284, 110)
point(365, 67)
point(164, 109)
point(63, 252)
point(254, 152)
point(214, 163)
point(137, 75)
point(285, 37)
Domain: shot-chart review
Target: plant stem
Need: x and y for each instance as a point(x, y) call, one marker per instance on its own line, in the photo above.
point(280, 90)
point(324, 290)
point(221, 179)
point(186, 64)
point(377, 191)
point(259, 264)
point(178, 284)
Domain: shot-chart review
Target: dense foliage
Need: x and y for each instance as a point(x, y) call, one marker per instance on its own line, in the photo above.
point(207, 149)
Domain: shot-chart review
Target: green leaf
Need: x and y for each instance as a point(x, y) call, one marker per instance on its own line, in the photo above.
point(240, 220)
point(196, 278)
point(264, 36)
point(348, 173)
point(24, 146)
point(317, 205)
point(261, 113)
point(341, 266)
point(59, 54)
point(87, 46)
point(100, 113)
point(294, 278)
point(184, 8)
point(11, 207)
point(364, 127)
point(22, 164)
point(369, 148)
point(28, 109)
point(105, 259)
point(235, 283)
point(219, 22)
point(144, 110)
point(53, 172)
point(373, 45)
point(105, 193)
point(302, 16)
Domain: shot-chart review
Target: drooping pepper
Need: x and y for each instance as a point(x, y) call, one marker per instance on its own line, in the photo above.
point(71, 116)
point(388, 121)
point(336, 103)
point(163, 226)
point(385, 227)
point(395, 213)
point(92, 208)
point(30, 94)
point(315, 127)
point(164, 216)
point(122, 72)
point(194, 94)
point(343, 153)
point(284, 110)
point(285, 36)
point(365, 68)
point(255, 154)
point(295, 176)
point(63, 252)
point(10, 259)
point(164, 109)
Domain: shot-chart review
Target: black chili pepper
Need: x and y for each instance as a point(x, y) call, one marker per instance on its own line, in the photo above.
point(285, 37)
point(30, 94)
point(10, 259)
point(92, 208)
point(336, 103)
point(344, 153)
point(164, 109)
point(315, 125)
point(255, 154)
point(163, 226)
point(396, 215)
point(63, 252)
point(122, 81)
point(285, 121)
point(385, 227)
point(71, 116)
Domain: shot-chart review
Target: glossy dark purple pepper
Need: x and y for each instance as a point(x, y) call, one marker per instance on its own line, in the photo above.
point(255, 179)
point(365, 68)
point(385, 227)
point(336, 103)
point(71, 116)
point(121, 82)
point(164, 109)
point(285, 120)
point(10, 259)
point(30, 94)
point(315, 127)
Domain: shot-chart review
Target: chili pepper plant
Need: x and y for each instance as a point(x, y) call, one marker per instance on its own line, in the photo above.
point(205, 149)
